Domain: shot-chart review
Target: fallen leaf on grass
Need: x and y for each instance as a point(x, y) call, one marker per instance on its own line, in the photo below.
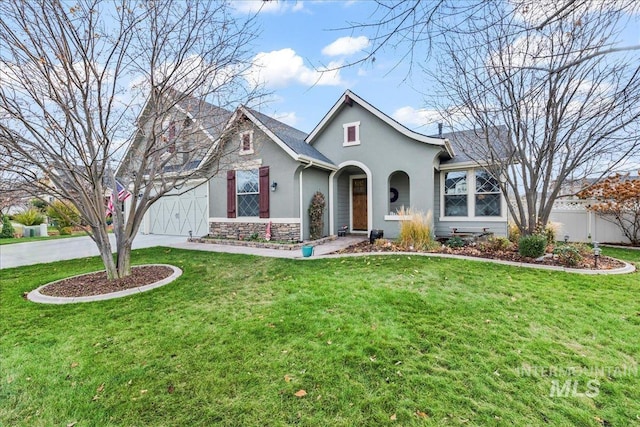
point(393, 417)
point(170, 389)
point(143, 391)
point(421, 414)
point(288, 378)
point(72, 424)
point(75, 364)
point(300, 393)
point(100, 388)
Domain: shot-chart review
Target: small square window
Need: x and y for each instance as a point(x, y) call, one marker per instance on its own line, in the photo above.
point(351, 134)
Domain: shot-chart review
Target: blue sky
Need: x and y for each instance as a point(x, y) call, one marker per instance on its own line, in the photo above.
point(299, 37)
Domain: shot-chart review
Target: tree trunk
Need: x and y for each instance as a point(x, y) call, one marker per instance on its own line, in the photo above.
point(101, 238)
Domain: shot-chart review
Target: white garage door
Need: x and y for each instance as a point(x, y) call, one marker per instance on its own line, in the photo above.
point(178, 214)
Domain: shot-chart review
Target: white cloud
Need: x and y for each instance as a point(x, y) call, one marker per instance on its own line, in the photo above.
point(289, 118)
point(346, 46)
point(412, 117)
point(281, 68)
point(258, 6)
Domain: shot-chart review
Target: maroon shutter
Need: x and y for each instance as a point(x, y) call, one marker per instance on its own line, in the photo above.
point(351, 134)
point(231, 194)
point(264, 192)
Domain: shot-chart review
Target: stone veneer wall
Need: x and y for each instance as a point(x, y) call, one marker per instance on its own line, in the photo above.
point(243, 230)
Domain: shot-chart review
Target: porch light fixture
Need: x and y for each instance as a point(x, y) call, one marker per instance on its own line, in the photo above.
point(274, 186)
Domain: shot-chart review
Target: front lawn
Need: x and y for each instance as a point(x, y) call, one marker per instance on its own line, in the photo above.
point(372, 340)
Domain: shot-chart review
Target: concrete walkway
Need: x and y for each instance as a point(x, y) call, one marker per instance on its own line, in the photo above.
point(44, 251)
point(319, 250)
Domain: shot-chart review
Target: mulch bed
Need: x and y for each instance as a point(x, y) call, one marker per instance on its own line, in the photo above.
point(588, 262)
point(97, 283)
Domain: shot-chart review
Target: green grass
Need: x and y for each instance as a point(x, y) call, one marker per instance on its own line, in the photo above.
point(232, 340)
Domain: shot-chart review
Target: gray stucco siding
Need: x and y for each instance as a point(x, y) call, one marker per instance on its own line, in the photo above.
point(314, 180)
point(283, 203)
point(382, 150)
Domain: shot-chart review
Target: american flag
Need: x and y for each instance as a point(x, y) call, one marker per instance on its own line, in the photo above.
point(123, 194)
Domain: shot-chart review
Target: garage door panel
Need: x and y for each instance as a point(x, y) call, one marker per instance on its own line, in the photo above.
point(179, 214)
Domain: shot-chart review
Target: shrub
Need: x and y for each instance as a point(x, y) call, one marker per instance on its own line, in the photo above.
point(66, 231)
point(316, 216)
point(513, 233)
point(550, 231)
point(415, 230)
point(7, 228)
point(30, 217)
point(63, 215)
point(40, 205)
point(498, 244)
point(455, 242)
point(568, 255)
point(532, 246)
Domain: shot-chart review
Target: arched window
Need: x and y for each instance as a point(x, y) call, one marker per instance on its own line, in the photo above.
point(398, 192)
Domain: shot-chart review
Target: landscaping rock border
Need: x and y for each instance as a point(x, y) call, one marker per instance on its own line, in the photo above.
point(261, 245)
point(628, 267)
point(36, 296)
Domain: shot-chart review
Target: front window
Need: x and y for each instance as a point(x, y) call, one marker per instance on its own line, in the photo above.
point(248, 192)
point(487, 195)
point(455, 193)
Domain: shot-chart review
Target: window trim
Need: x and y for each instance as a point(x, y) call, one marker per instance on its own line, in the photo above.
point(245, 194)
point(471, 199)
point(345, 128)
point(244, 152)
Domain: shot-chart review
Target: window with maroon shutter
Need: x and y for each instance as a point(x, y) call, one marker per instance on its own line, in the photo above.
point(264, 192)
point(231, 194)
point(351, 134)
point(246, 143)
point(172, 138)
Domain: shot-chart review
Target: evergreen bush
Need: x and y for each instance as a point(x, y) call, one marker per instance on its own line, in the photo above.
point(532, 246)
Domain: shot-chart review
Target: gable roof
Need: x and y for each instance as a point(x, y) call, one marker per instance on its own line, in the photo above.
point(291, 140)
point(208, 118)
point(471, 145)
point(348, 97)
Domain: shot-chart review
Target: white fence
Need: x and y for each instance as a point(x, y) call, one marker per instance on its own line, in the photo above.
point(582, 225)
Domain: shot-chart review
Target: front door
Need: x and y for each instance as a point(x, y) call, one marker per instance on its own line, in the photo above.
point(359, 204)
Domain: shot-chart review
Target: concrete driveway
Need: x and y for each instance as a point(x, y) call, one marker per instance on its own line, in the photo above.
point(41, 251)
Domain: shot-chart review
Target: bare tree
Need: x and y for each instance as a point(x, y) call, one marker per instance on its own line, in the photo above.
point(75, 78)
point(568, 112)
point(412, 28)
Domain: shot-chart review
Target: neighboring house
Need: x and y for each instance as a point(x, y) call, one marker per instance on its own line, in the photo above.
point(367, 165)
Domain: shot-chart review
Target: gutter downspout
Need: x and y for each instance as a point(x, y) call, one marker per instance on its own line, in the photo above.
point(301, 199)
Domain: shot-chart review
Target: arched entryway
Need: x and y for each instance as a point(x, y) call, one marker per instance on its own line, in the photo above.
point(350, 194)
